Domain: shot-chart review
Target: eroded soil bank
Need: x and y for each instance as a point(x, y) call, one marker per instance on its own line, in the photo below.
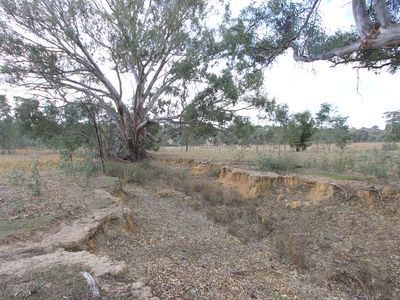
point(330, 240)
point(46, 259)
point(172, 232)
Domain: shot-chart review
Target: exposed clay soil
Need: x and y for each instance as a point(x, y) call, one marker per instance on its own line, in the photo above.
point(169, 239)
point(182, 254)
point(44, 259)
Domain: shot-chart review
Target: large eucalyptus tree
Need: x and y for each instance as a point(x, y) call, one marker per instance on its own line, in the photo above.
point(143, 61)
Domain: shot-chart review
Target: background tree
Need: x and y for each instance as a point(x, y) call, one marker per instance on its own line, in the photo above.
point(331, 128)
point(280, 115)
point(262, 135)
point(30, 120)
point(392, 126)
point(7, 129)
point(341, 133)
point(243, 130)
point(300, 130)
point(322, 119)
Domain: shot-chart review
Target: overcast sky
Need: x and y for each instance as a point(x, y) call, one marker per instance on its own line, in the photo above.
point(306, 85)
point(363, 97)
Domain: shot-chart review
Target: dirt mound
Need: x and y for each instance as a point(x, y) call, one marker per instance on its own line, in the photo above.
point(99, 266)
point(252, 184)
point(71, 247)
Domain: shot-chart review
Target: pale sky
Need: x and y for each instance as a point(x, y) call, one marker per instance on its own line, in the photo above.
point(306, 85)
point(363, 97)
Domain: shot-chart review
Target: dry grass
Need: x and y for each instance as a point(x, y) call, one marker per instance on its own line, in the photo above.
point(336, 242)
point(52, 283)
point(293, 250)
point(349, 245)
point(223, 206)
point(46, 160)
point(233, 153)
point(361, 161)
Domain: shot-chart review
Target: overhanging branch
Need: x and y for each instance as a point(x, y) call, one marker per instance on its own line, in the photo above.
point(387, 38)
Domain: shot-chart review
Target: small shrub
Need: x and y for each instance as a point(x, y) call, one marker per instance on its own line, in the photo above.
point(232, 198)
point(212, 194)
point(371, 168)
point(87, 165)
point(35, 185)
point(292, 250)
point(213, 172)
point(390, 146)
point(142, 173)
point(283, 163)
point(66, 164)
point(17, 175)
point(343, 163)
point(221, 215)
point(366, 281)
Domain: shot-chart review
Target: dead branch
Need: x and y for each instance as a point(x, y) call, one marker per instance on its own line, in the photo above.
point(246, 272)
point(371, 188)
point(377, 191)
point(346, 195)
point(207, 162)
point(92, 284)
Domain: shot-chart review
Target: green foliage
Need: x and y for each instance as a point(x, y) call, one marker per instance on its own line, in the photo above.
point(29, 118)
point(152, 143)
point(392, 126)
point(263, 135)
point(35, 186)
point(317, 41)
point(331, 127)
point(7, 128)
point(164, 47)
point(66, 163)
point(341, 131)
point(300, 130)
point(263, 32)
point(373, 134)
point(242, 129)
point(87, 164)
point(17, 175)
point(140, 173)
point(280, 163)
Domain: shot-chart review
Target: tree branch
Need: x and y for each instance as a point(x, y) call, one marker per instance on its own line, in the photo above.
point(364, 24)
point(382, 13)
point(387, 38)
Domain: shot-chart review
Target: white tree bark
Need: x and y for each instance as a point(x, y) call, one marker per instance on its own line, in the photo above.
point(387, 35)
point(364, 23)
point(382, 13)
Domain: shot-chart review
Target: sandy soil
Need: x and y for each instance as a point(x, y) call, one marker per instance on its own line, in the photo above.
point(171, 237)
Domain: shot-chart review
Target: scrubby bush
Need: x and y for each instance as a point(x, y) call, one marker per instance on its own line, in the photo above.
point(280, 163)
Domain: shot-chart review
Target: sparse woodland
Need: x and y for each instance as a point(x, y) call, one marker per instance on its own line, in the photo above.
point(129, 170)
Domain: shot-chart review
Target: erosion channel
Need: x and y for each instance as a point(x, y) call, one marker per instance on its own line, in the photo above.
point(168, 231)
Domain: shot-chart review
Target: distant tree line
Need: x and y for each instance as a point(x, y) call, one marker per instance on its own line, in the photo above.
point(70, 126)
point(152, 66)
point(299, 130)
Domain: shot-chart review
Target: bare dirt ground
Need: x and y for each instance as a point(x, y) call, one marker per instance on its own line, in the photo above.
point(45, 239)
point(167, 234)
point(183, 254)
